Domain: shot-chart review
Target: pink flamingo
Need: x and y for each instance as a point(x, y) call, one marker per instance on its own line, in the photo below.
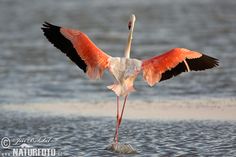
point(93, 61)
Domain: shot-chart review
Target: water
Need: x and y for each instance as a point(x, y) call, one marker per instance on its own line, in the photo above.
point(80, 136)
point(32, 70)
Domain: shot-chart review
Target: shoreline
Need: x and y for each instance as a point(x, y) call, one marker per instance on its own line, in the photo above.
point(186, 109)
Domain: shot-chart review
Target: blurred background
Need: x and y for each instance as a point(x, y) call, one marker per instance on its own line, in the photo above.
point(32, 70)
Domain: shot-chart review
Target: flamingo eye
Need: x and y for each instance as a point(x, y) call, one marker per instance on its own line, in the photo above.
point(129, 25)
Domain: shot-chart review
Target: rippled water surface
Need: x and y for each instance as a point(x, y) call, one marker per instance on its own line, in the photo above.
point(79, 136)
point(32, 70)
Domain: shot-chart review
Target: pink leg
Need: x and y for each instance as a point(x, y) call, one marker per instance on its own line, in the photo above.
point(117, 120)
point(123, 108)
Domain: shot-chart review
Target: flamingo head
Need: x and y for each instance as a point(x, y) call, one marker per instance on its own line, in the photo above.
point(131, 22)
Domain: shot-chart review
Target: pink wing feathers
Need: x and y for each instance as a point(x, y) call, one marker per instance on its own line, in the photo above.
point(174, 62)
point(79, 48)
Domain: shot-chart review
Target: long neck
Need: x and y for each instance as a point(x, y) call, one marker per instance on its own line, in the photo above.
point(128, 47)
point(130, 37)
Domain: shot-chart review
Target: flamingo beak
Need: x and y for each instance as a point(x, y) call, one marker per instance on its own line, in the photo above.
point(131, 22)
point(129, 25)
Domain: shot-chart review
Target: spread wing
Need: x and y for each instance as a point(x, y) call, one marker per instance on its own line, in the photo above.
point(79, 48)
point(174, 62)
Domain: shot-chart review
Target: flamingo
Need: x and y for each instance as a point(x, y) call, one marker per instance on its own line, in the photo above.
point(93, 61)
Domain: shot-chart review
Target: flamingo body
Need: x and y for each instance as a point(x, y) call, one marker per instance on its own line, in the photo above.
point(124, 70)
point(93, 61)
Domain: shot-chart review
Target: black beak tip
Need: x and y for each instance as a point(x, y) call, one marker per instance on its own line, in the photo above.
point(129, 25)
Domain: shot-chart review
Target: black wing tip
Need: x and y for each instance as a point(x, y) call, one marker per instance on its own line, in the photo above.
point(204, 62)
point(211, 61)
point(50, 30)
point(48, 26)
